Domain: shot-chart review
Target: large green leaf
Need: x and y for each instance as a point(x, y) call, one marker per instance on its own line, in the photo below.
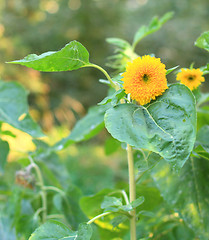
point(187, 193)
point(53, 230)
point(154, 26)
point(85, 128)
point(73, 56)
point(203, 41)
point(167, 126)
point(4, 150)
point(14, 108)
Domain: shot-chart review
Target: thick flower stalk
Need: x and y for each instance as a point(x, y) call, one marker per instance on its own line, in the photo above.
point(145, 79)
point(192, 78)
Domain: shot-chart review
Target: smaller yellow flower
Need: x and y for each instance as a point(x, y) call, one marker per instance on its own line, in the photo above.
point(192, 78)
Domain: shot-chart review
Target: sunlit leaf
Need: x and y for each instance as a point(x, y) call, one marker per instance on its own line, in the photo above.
point(167, 126)
point(187, 193)
point(203, 41)
point(14, 108)
point(73, 56)
point(171, 70)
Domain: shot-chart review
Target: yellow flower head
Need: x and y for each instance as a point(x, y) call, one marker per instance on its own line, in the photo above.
point(192, 78)
point(145, 79)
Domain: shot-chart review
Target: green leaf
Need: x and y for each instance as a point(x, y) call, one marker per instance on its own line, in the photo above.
point(202, 142)
point(111, 145)
point(68, 206)
point(146, 214)
point(53, 230)
point(154, 26)
point(145, 160)
point(203, 136)
point(114, 204)
point(14, 108)
point(122, 44)
point(203, 41)
point(111, 204)
point(171, 70)
point(202, 116)
point(132, 205)
point(73, 56)
point(91, 205)
point(8, 133)
point(118, 220)
point(151, 195)
point(201, 151)
point(187, 193)
point(114, 98)
point(4, 151)
point(163, 126)
point(137, 202)
point(85, 128)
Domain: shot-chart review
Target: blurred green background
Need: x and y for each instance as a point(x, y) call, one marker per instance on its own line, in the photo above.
point(37, 26)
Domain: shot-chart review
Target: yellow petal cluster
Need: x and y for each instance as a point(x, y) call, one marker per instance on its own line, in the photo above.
point(192, 78)
point(145, 79)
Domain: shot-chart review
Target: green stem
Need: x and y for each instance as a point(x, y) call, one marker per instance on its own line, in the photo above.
point(55, 189)
point(123, 193)
point(97, 217)
point(105, 73)
point(132, 191)
point(43, 192)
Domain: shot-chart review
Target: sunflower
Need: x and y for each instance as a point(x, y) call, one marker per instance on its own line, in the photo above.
point(145, 79)
point(192, 78)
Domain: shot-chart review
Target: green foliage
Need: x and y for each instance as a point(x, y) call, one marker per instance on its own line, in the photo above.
point(4, 150)
point(154, 26)
point(114, 204)
point(14, 108)
point(203, 41)
point(145, 160)
point(54, 230)
point(73, 56)
point(114, 98)
point(86, 128)
point(187, 193)
point(164, 208)
point(148, 127)
point(111, 145)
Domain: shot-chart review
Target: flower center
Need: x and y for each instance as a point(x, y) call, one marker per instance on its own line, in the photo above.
point(145, 77)
point(190, 78)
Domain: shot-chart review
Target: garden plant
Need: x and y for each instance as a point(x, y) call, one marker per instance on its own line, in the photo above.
point(163, 128)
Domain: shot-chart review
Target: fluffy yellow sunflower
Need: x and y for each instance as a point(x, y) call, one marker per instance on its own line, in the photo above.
point(145, 79)
point(192, 78)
